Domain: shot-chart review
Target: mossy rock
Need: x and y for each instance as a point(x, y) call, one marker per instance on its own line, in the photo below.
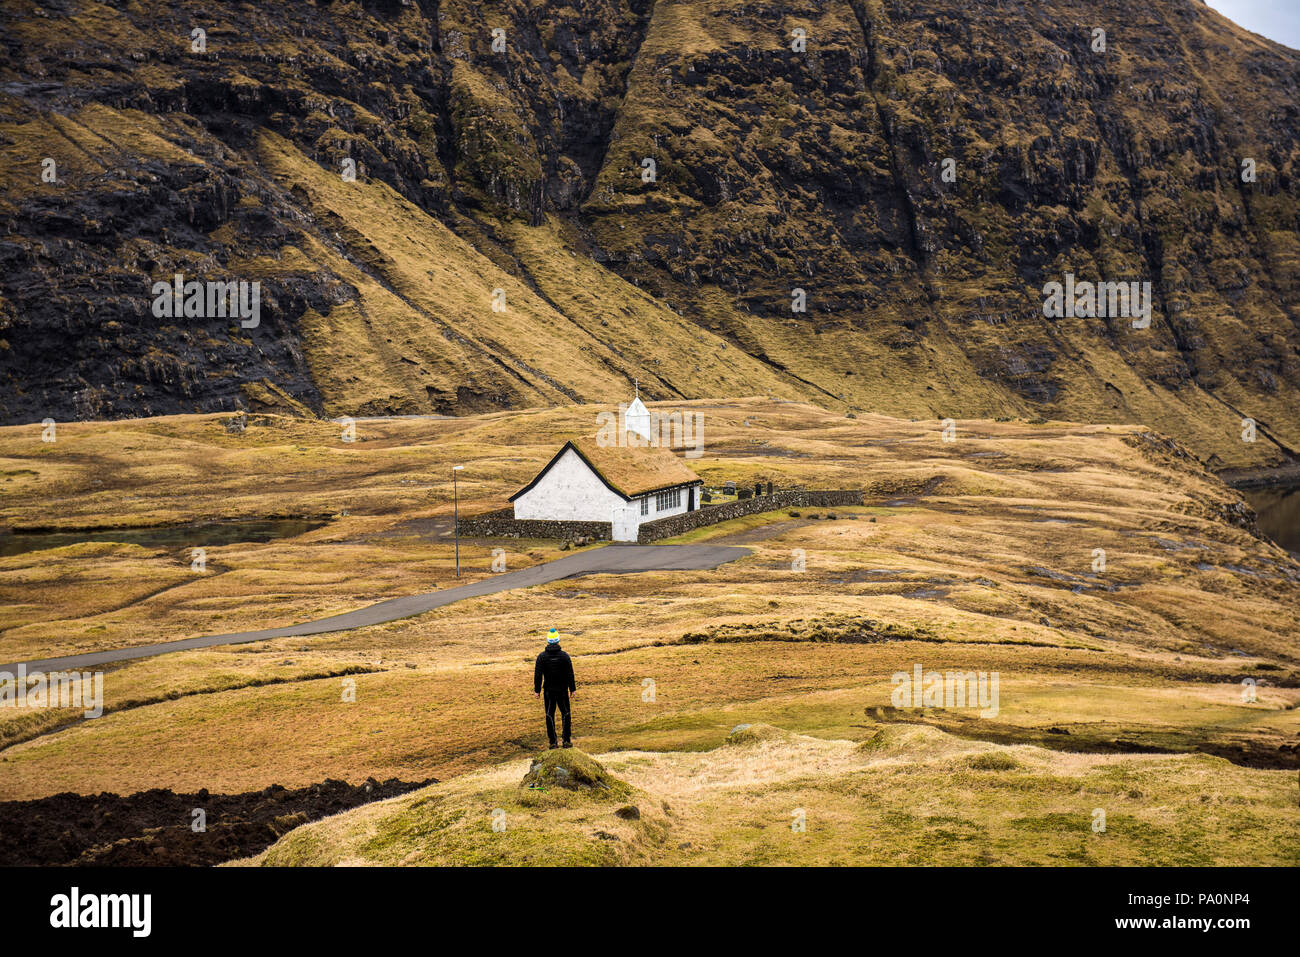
point(911, 739)
point(573, 770)
point(993, 761)
point(757, 733)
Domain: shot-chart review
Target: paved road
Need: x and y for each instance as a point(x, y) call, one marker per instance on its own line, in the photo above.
point(610, 559)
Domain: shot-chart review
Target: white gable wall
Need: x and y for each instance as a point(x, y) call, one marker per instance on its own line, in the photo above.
point(569, 492)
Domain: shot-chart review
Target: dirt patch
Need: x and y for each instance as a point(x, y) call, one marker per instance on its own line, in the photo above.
point(761, 533)
point(839, 629)
point(1270, 754)
point(438, 527)
point(156, 827)
point(902, 492)
point(766, 451)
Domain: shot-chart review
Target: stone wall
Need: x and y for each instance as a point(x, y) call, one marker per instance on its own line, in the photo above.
point(712, 514)
point(503, 524)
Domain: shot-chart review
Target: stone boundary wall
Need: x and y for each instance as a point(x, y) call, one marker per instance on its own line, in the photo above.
point(712, 514)
point(503, 524)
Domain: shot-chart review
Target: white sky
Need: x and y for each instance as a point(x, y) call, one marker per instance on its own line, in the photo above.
point(1276, 19)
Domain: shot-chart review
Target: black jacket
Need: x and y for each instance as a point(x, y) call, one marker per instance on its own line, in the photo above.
point(554, 669)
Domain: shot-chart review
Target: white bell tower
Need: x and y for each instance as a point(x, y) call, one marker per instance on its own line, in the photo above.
point(637, 417)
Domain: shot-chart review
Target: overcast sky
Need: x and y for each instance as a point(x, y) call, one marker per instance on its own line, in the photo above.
point(1276, 19)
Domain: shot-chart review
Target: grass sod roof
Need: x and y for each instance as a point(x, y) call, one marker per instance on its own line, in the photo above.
point(628, 470)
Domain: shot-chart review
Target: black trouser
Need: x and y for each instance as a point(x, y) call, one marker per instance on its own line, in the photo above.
point(552, 700)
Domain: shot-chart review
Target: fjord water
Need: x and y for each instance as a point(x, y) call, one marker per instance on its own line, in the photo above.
point(1278, 509)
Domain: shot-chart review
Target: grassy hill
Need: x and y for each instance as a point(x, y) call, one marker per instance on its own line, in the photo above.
point(1120, 688)
point(902, 796)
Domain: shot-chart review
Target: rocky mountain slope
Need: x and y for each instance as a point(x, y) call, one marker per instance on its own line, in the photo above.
point(516, 177)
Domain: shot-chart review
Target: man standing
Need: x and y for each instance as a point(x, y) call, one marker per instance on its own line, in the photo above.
point(554, 673)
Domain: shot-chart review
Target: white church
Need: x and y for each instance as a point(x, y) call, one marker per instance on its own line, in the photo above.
point(614, 477)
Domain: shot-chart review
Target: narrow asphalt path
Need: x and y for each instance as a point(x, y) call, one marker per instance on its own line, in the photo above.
point(610, 559)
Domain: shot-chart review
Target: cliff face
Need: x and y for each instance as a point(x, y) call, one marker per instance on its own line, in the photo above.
point(516, 177)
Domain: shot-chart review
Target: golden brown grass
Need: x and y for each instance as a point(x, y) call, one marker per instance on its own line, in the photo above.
point(905, 796)
point(974, 555)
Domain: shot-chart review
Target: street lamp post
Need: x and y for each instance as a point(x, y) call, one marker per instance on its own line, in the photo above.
point(455, 495)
